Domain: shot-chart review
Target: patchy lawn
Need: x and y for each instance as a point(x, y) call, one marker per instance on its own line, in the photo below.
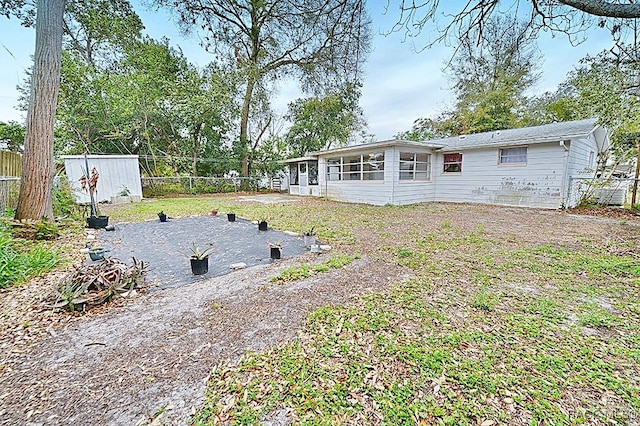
point(516, 317)
point(512, 316)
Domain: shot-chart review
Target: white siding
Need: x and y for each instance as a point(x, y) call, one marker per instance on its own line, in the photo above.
point(411, 192)
point(116, 173)
point(369, 192)
point(482, 180)
point(581, 151)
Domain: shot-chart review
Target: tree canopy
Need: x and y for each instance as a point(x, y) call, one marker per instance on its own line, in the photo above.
point(570, 17)
point(321, 42)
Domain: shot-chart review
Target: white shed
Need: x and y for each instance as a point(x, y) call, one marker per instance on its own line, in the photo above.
point(118, 174)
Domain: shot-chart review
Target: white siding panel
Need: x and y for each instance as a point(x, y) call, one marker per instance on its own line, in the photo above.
point(377, 194)
point(117, 172)
point(579, 167)
point(482, 180)
point(411, 192)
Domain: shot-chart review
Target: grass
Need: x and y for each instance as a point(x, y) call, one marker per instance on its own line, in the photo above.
point(299, 272)
point(497, 326)
point(21, 260)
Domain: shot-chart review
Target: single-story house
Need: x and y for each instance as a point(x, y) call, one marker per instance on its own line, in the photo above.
point(529, 167)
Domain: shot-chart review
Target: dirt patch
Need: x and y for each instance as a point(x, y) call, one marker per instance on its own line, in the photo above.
point(155, 353)
point(130, 360)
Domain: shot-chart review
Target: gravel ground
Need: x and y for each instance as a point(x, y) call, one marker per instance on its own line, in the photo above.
point(166, 246)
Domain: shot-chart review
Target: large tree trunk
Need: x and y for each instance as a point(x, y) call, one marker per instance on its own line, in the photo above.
point(244, 126)
point(36, 185)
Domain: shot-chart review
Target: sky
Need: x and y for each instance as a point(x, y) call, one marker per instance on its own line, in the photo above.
point(402, 81)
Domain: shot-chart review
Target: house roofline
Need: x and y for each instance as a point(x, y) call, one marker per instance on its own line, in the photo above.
point(516, 142)
point(378, 144)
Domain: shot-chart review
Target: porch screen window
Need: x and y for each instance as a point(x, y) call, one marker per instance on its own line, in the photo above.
point(334, 169)
point(452, 163)
point(369, 166)
point(513, 155)
point(313, 172)
point(293, 174)
point(373, 166)
point(415, 166)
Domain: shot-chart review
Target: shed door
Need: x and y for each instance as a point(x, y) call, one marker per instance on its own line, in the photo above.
point(304, 178)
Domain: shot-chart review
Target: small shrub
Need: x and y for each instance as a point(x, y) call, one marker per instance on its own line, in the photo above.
point(17, 265)
point(63, 200)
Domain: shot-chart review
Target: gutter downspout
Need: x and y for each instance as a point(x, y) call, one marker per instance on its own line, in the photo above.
point(565, 177)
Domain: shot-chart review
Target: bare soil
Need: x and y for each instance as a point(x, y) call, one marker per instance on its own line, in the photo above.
point(147, 359)
point(153, 354)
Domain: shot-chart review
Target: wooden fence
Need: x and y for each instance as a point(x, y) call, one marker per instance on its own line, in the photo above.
point(10, 163)
point(9, 191)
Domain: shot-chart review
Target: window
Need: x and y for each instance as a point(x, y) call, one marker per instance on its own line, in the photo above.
point(293, 174)
point(368, 166)
point(452, 163)
point(313, 172)
point(415, 166)
point(513, 155)
point(373, 166)
point(592, 159)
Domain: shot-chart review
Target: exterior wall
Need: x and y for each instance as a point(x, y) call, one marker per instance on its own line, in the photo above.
point(391, 190)
point(539, 183)
point(581, 165)
point(116, 173)
point(376, 192)
point(411, 192)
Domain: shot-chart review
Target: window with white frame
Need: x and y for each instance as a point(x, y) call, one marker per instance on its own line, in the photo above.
point(415, 166)
point(513, 155)
point(369, 166)
point(293, 174)
point(452, 163)
point(313, 172)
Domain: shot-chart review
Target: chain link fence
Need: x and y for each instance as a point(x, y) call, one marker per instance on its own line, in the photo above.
point(156, 186)
point(607, 192)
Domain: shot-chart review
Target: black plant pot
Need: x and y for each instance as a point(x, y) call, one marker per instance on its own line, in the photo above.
point(199, 266)
point(96, 254)
point(97, 222)
point(262, 225)
point(276, 252)
point(231, 217)
point(163, 217)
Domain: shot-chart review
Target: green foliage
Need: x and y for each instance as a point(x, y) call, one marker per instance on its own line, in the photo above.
point(197, 253)
point(12, 134)
point(490, 73)
point(323, 123)
point(19, 262)
point(295, 273)
point(63, 200)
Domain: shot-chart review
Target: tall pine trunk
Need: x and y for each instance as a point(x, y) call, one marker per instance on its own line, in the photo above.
point(36, 185)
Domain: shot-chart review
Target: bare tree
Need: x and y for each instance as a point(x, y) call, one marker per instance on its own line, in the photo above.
point(570, 17)
point(35, 200)
point(322, 41)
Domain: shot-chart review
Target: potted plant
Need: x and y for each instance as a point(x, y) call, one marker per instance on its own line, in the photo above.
point(199, 260)
point(275, 250)
point(231, 217)
point(262, 224)
point(309, 237)
point(89, 183)
point(162, 216)
point(97, 253)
